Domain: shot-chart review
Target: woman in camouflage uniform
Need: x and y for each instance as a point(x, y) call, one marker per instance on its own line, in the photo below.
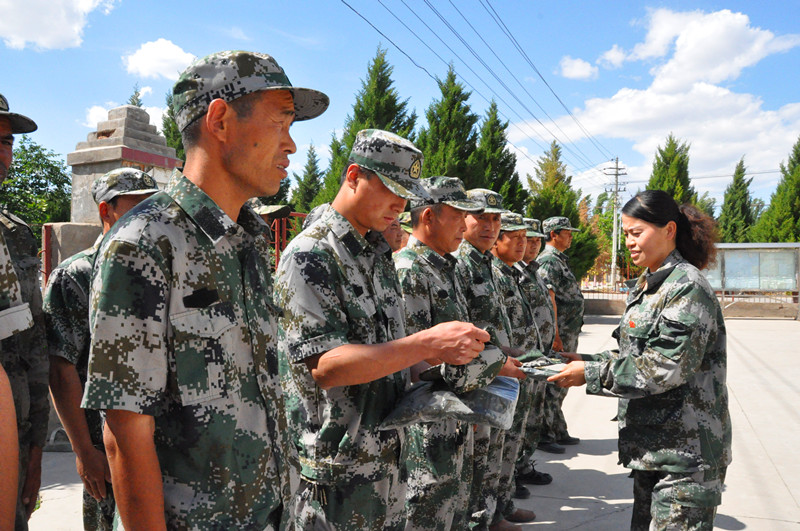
point(669, 371)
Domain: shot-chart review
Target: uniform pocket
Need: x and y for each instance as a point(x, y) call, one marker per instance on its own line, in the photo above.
point(198, 341)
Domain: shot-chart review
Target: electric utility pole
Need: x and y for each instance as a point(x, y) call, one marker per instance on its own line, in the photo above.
point(615, 235)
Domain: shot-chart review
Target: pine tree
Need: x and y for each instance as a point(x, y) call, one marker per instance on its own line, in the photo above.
point(496, 164)
point(169, 128)
point(552, 195)
point(136, 97)
point(309, 184)
point(780, 222)
point(449, 142)
point(671, 171)
point(737, 216)
point(377, 106)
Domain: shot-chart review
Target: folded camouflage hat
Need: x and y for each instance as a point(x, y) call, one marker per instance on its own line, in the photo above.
point(557, 223)
point(492, 202)
point(509, 221)
point(448, 191)
point(232, 74)
point(394, 159)
point(405, 221)
point(273, 211)
point(122, 181)
point(534, 228)
point(19, 122)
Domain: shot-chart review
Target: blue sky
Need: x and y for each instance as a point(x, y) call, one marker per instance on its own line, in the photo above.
point(721, 76)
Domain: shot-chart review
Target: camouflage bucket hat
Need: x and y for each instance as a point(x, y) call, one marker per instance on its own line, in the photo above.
point(492, 202)
point(232, 74)
point(509, 222)
point(122, 181)
point(557, 223)
point(395, 160)
point(448, 191)
point(534, 228)
point(405, 221)
point(19, 122)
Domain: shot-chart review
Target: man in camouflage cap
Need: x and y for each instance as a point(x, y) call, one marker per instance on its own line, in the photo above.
point(66, 311)
point(183, 325)
point(439, 461)
point(567, 299)
point(344, 352)
point(23, 352)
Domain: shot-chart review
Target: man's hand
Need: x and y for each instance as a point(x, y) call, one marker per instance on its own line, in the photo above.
point(33, 480)
point(513, 352)
point(511, 368)
point(558, 345)
point(456, 343)
point(94, 472)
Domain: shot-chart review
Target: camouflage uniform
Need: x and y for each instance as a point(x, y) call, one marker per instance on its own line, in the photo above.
point(439, 465)
point(184, 329)
point(669, 373)
point(24, 354)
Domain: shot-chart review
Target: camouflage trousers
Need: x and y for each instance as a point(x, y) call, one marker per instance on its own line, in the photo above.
point(98, 515)
point(487, 456)
point(512, 449)
point(374, 506)
point(555, 422)
point(665, 501)
point(438, 460)
point(533, 427)
point(21, 521)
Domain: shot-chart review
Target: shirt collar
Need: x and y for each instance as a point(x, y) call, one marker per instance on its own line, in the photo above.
point(351, 238)
point(446, 262)
point(655, 279)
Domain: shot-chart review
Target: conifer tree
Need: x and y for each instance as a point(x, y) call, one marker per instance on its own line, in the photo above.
point(780, 221)
point(737, 216)
point(671, 171)
point(309, 184)
point(169, 128)
point(136, 98)
point(377, 106)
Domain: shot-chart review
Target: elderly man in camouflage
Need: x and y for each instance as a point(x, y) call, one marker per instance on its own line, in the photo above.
point(439, 461)
point(344, 353)
point(565, 293)
point(183, 326)
point(23, 351)
point(66, 311)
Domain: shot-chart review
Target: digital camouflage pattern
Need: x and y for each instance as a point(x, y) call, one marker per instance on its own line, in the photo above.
point(395, 160)
point(557, 223)
point(23, 352)
point(232, 74)
point(491, 201)
point(510, 222)
point(534, 228)
point(438, 455)
point(122, 181)
point(184, 329)
point(445, 191)
point(337, 287)
point(669, 373)
point(15, 314)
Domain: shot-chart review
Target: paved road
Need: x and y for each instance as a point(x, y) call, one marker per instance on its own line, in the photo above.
point(590, 491)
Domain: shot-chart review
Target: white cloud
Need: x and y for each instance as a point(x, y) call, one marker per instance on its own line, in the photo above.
point(612, 58)
point(156, 115)
point(577, 68)
point(144, 91)
point(159, 58)
point(237, 33)
point(47, 24)
point(94, 115)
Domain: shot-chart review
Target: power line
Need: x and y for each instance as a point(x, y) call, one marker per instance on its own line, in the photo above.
point(701, 177)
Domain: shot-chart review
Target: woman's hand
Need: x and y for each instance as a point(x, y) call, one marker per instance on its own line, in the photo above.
point(572, 375)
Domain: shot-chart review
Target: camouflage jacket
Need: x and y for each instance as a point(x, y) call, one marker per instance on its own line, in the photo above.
point(23, 351)
point(66, 314)
point(538, 296)
point(184, 329)
point(669, 373)
point(432, 295)
point(554, 270)
point(524, 332)
point(484, 302)
point(336, 288)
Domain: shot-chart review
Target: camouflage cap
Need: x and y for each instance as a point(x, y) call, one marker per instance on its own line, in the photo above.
point(19, 122)
point(273, 211)
point(557, 223)
point(394, 159)
point(509, 221)
point(232, 74)
point(122, 181)
point(448, 191)
point(534, 228)
point(405, 221)
point(492, 202)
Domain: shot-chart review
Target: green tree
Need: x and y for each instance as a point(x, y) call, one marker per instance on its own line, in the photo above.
point(496, 164)
point(377, 106)
point(136, 97)
point(38, 186)
point(552, 195)
point(169, 128)
point(737, 216)
point(780, 221)
point(450, 141)
point(671, 171)
point(309, 184)
point(706, 203)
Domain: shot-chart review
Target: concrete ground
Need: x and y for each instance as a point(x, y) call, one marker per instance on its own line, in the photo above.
point(590, 491)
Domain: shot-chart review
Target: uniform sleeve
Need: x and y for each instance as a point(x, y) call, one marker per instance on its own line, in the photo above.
point(39, 370)
point(662, 356)
point(128, 361)
point(66, 316)
point(313, 321)
point(548, 271)
point(416, 299)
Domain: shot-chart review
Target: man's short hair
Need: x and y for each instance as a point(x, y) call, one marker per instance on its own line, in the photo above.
point(416, 213)
point(366, 171)
point(243, 107)
point(549, 236)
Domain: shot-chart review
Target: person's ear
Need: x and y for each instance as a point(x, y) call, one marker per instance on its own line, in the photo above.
point(351, 177)
point(104, 210)
point(218, 118)
point(672, 230)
